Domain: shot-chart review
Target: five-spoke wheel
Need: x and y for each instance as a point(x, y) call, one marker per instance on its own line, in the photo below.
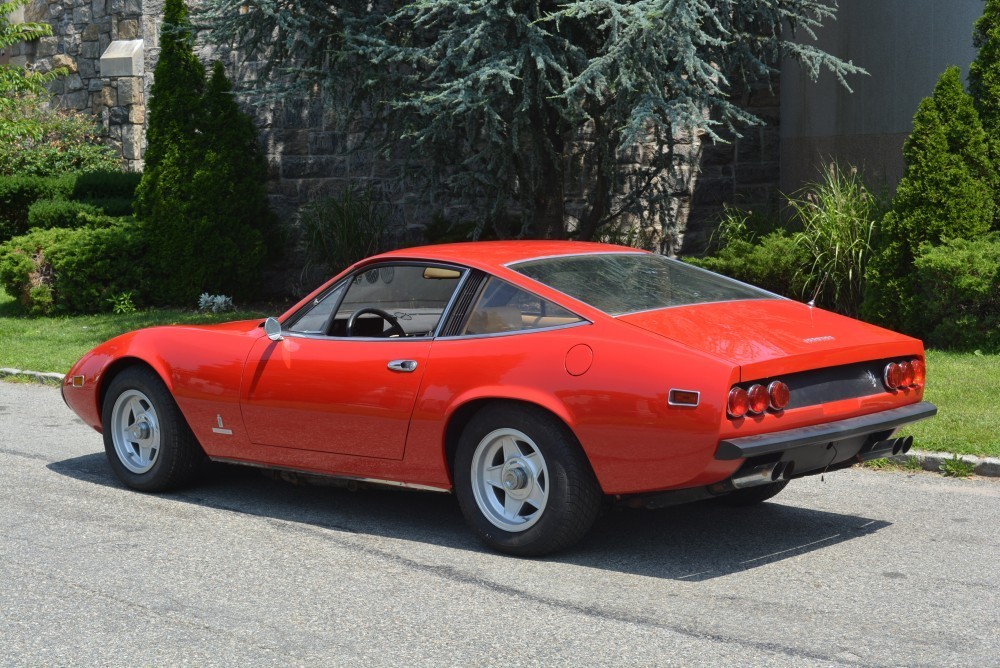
point(523, 482)
point(510, 480)
point(135, 431)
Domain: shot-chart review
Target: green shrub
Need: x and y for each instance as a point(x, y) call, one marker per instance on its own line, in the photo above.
point(820, 252)
point(112, 206)
point(339, 231)
point(959, 294)
point(40, 141)
point(946, 193)
point(737, 224)
point(73, 270)
point(773, 262)
point(106, 184)
point(48, 213)
point(18, 193)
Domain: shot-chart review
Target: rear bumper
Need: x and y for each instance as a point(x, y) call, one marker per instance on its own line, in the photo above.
point(799, 452)
point(856, 432)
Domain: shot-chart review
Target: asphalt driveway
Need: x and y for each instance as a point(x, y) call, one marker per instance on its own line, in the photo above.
point(862, 568)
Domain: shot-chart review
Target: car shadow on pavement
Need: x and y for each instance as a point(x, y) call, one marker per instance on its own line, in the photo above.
point(692, 543)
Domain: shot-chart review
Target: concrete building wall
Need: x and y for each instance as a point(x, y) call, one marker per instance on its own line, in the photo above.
point(905, 45)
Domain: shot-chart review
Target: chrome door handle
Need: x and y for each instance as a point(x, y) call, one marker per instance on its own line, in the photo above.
point(406, 366)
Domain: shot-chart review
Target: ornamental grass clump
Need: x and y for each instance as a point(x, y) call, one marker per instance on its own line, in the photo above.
point(839, 216)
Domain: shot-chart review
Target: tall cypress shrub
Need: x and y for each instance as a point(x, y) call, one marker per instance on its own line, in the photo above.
point(228, 194)
point(984, 85)
point(984, 73)
point(946, 193)
point(202, 191)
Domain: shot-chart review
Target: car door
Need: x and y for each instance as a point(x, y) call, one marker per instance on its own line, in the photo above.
point(346, 372)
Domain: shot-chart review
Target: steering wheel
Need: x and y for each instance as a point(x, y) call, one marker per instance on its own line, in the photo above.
point(394, 326)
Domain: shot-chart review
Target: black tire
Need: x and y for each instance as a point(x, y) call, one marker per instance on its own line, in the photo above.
point(147, 440)
point(751, 496)
point(572, 496)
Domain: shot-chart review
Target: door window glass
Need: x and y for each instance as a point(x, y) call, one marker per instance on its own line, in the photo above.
point(315, 318)
point(395, 300)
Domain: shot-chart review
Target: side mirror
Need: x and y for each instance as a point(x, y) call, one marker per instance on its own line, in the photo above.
point(273, 329)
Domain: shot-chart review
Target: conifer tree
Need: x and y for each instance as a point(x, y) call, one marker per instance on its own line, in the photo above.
point(175, 96)
point(984, 86)
point(202, 194)
point(984, 73)
point(946, 193)
point(228, 193)
point(508, 101)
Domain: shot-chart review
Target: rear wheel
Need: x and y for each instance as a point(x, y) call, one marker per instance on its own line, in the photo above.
point(146, 438)
point(522, 481)
point(751, 496)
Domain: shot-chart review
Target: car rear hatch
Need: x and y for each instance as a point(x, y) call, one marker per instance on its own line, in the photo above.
point(768, 337)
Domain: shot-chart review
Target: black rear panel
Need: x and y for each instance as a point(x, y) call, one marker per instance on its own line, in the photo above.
point(820, 386)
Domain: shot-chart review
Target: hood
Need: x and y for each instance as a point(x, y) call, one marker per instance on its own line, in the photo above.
point(235, 327)
point(767, 337)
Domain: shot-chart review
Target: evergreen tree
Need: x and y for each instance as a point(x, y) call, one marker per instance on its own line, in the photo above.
point(228, 193)
point(984, 86)
point(15, 80)
point(175, 100)
point(508, 101)
point(202, 193)
point(946, 193)
point(984, 73)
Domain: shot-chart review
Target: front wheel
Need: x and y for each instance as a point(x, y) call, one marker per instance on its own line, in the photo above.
point(522, 481)
point(146, 438)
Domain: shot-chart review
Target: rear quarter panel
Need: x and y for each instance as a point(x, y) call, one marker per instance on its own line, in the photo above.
point(618, 408)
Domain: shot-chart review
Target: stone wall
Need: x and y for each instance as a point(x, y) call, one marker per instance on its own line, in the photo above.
point(310, 159)
point(82, 30)
point(744, 172)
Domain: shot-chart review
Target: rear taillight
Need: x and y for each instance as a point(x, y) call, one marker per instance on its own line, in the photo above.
point(901, 375)
point(779, 395)
point(739, 402)
point(758, 399)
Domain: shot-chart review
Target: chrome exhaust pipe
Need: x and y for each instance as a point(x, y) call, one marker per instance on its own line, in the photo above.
point(762, 474)
point(889, 448)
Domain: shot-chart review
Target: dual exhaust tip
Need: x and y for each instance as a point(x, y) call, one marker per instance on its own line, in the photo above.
point(889, 448)
point(765, 474)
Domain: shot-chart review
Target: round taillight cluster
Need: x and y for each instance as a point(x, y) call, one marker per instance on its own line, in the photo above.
point(757, 399)
point(901, 375)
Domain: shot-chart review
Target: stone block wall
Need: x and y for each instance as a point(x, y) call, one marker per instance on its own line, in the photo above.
point(82, 30)
point(744, 172)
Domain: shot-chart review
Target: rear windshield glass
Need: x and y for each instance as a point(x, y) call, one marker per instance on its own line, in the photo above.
point(627, 283)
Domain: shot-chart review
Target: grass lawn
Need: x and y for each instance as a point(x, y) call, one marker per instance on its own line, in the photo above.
point(53, 344)
point(962, 385)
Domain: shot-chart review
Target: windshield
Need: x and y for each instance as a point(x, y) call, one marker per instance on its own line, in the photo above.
point(620, 283)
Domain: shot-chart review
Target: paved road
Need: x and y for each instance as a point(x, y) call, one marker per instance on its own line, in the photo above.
point(865, 568)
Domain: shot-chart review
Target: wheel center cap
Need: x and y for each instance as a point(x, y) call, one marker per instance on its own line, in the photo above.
point(139, 431)
point(514, 477)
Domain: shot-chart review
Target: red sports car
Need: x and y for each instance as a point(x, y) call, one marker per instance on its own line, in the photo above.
point(533, 379)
